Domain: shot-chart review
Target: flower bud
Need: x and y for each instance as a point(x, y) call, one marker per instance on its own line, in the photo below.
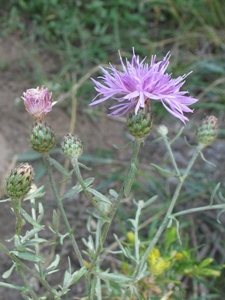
point(19, 182)
point(42, 138)
point(207, 131)
point(38, 102)
point(162, 130)
point(140, 124)
point(72, 146)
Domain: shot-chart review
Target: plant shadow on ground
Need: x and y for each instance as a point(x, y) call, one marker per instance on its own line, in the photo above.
point(23, 67)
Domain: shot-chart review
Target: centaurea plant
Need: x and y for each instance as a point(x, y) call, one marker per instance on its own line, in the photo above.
point(135, 87)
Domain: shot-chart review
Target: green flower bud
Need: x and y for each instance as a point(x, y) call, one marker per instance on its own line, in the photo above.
point(140, 124)
point(72, 146)
point(18, 183)
point(207, 131)
point(42, 137)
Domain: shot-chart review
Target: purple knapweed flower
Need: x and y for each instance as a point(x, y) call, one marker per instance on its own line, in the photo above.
point(140, 82)
point(38, 102)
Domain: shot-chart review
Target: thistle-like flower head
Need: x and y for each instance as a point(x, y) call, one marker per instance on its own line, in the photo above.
point(72, 146)
point(18, 183)
point(38, 102)
point(139, 83)
point(42, 138)
point(207, 131)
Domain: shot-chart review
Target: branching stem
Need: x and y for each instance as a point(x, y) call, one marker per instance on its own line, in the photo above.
point(61, 209)
point(169, 211)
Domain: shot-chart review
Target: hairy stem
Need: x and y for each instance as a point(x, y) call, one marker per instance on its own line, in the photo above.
point(198, 209)
point(61, 209)
point(16, 204)
point(169, 211)
point(37, 247)
point(87, 193)
point(28, 270)
point(106, 226)
point(30, 290)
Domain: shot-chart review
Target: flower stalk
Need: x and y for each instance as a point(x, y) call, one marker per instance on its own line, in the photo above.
point(61, 209)
point(16, 204)
point(107, 225)
point(76, 167)
point(169, 211)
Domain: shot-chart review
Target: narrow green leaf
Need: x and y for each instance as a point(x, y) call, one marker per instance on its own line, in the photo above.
point(67, 178)
point(34, 242)
point(38, 193)
point(12, 286)
point(7, 273)
point(133, 222)
point(30, 234)
point(219, 214)
point(150, 201)
point(84, 167)
point(52, 267)
point(77, 275)
point(5, 200)
point(114, 277)
point(214, 193)
point(78, 188)
point(163, 172)
point(41, 212)
point(100, 196)
point(206, 262)
point(203, 158)
point(55, 221)
point(113, 193)
point(28, 256)
point(29, 219)
point(66, 279)
point(129, 180)
point(59, 167)
point(120, 245)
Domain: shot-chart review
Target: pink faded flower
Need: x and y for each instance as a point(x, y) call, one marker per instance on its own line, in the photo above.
point(38, 102)
point(140, 82)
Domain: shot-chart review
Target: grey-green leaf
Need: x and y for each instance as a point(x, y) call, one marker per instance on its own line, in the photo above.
point(59, 167)
point(7, 273)
point(163, 172)
point(27, 256)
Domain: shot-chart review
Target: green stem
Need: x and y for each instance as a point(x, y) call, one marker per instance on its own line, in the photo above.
point(87, 193)
point(61, 209)
point(170, 154)
point(106, 226)
point(169, 211)
point(37, 248)
point(30, 291)
point(129, 179)
point(197, 209)
point(136, 235)
point(98, 280)
point(19, 263)
point(16, 204)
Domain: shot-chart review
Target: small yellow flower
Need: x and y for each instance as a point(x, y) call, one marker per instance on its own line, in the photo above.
point(130, 237)
point(86, 263)
point(157, 263)
point(179, 256)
